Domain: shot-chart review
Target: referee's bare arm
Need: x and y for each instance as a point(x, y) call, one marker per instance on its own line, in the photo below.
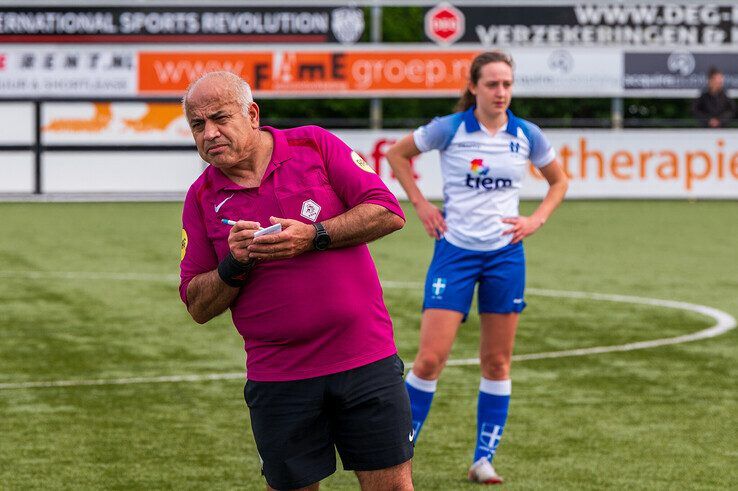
point(361, 224)
point(208, 296)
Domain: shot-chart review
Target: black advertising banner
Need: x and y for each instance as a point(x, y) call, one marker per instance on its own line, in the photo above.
point(595, 24)
point(678, 70)
point(181, 25)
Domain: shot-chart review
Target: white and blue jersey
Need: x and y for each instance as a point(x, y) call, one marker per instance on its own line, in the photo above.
point(482, 173)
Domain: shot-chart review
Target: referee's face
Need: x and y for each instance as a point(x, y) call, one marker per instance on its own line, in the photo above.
point(224, 135)
point(493, 90)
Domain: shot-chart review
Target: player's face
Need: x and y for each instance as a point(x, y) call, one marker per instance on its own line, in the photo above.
point(494, 88)
point(224, 135)
point(715, 83)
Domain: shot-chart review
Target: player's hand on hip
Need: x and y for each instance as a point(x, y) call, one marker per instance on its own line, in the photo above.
point(521, 228)
point(294, 239)
point(240, 237)
point(432, 219)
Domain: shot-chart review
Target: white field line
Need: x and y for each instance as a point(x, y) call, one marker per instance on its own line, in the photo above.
point(91, 275)
point(724, 323)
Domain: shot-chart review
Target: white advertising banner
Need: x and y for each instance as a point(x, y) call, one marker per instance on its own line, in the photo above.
point(646, 164)
point(679, 164)
point(16, 172)
point(600, 163)
point(17, 123)
point(34, 71)
point(568, 72)
point(120, 172)
point(76, 71)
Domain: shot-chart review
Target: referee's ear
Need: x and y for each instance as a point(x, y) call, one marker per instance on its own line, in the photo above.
point(253, 115)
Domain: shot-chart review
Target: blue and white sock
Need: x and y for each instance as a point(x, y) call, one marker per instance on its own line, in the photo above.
point(421, 395)
point(494, 400)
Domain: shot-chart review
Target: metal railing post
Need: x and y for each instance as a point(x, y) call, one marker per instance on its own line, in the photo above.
point(616, 113)
point(375, 105)
point(37, 149)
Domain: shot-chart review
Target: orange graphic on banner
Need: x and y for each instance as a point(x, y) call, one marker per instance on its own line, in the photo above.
point(158, 116)
point(326, 72)
point(100, 120)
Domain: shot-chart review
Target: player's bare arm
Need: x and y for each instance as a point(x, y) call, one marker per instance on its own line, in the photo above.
point(399, 156)
point(558, 184)
point(361, 224)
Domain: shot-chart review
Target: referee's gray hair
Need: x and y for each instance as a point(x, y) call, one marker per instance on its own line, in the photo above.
point(233, 85)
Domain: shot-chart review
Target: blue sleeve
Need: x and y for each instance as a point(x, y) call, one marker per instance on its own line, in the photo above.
point(437, 134)
point(541, 151)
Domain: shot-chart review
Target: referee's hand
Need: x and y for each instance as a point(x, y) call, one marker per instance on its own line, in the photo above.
point(240, 238)
point(294, 239)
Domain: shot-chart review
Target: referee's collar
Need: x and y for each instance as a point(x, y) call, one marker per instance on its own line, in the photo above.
point(472, 125)
point(280, 153)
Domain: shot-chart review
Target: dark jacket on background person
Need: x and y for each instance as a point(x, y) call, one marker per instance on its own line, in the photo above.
point(717, 105)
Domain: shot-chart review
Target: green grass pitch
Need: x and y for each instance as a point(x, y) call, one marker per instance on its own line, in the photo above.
point(88, 291)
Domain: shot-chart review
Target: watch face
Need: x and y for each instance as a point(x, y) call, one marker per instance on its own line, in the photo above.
point(322, 242)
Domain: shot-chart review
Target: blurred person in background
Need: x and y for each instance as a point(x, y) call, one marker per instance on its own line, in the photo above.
point(485, 152)
point(323, 371)
point(713, 108)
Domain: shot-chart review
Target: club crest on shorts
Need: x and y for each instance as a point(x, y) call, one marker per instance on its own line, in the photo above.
point(310, 210)
point(361, 163)
point(438, 286)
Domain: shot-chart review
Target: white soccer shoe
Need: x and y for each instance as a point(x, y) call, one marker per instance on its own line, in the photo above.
point(482, 472)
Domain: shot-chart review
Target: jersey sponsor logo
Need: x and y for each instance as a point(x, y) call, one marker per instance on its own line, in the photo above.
point(217, 207)
point(184, 245)
point(310, 210)
point(479, 177)
point(478, 167)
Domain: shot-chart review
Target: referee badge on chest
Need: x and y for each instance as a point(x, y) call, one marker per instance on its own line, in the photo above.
point(310, 210)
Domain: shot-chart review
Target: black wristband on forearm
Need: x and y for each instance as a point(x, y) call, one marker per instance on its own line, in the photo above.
point(233, 272)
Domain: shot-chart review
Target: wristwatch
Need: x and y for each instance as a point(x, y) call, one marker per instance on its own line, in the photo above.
point(322, 240)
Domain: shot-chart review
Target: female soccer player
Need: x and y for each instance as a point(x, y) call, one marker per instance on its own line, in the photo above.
point(484, 150)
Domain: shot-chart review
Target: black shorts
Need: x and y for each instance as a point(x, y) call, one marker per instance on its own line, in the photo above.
point(364, 413)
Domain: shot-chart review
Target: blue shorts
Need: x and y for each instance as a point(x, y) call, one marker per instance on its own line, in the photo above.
point(454, 272)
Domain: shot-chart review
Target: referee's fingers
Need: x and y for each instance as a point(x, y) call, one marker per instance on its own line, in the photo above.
point(245, 225)
point(269, 238)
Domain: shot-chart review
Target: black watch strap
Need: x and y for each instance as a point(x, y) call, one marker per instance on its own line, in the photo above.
point(322, 240)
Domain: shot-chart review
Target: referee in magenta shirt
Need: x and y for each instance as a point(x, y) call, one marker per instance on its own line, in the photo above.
point(322, 366)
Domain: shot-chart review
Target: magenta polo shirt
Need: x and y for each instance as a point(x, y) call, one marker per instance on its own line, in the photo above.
point(320, 312)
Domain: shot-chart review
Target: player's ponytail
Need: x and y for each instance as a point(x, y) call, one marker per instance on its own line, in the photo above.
point(468, 99)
